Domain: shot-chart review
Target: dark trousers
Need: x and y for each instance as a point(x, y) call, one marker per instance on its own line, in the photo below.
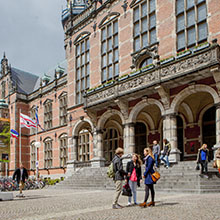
point(151, 188)
point(204, 165)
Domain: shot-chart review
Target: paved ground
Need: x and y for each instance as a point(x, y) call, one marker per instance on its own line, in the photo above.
point(56, 204)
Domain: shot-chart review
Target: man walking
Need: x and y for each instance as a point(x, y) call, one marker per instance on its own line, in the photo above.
point(166, 153)
point(20, 175)
point(156, 152)
point(119, 176)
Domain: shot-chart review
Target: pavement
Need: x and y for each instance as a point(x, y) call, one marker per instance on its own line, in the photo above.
point(54, 204)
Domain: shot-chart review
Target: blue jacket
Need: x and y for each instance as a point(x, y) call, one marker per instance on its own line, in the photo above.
point(149, 163)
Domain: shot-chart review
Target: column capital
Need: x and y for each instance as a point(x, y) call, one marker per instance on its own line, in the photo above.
point(171, 115)
point(217, 105)
point(130, 124)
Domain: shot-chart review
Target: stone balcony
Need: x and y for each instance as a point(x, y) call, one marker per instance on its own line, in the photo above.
point(184, 69)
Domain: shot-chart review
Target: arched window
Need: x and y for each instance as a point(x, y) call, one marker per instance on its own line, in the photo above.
point(63, 150)
point(146, 62)
point(48, 114)
point(63, 108)
point(48, 153)
point(111, 142)
point(84, 145)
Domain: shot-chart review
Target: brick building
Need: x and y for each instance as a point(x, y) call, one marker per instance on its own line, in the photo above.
point(137, 71)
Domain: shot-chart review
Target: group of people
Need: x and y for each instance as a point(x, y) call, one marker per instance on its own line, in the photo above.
point(133, 176)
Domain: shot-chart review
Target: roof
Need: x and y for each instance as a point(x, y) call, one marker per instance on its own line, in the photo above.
point(24, 81)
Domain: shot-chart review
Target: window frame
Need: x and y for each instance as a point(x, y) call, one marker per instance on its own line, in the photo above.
point(48, 153)
point(63, 109)
point(63, 149)
point(83, 147)
point(48, 115)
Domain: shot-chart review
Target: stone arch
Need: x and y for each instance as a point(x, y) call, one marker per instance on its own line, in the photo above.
point(188, 111)
point(107, 115)
point(190, 90)
point(150, 121)
point(137, 108)
point(78, 125)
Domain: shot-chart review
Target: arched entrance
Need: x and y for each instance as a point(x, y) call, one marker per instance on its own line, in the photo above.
point(140, 137)
point(180, 136)
point(209, 129)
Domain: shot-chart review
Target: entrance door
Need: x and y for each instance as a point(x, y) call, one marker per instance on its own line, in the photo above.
point(140, 138)
point(209, 129)
point(180, 143)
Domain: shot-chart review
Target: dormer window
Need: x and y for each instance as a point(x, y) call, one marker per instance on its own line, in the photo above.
point(45, 79)
point(59, 71)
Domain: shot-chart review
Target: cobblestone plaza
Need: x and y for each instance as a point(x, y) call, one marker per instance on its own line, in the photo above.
point(56, 204)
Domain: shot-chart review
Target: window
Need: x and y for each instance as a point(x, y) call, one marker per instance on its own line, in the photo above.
point(48, 115)
point(82, 69)
point(191, 23)
point(146, 62)
point(63, 109)
point(3, 89)
point(111, 142)
point(48, 153)
point(83, 146)
point(63, 150)
point(109, 50)
point(144, 19)
point(33, 156)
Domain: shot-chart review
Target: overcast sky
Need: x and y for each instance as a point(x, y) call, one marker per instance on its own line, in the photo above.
point(31, 34)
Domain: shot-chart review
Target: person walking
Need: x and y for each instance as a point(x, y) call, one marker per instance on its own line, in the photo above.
point(134, 176)
point(20, 175)
point(166, 153)
point(149, 183)
point(119, 176)
point(203, 158)
point(156, 152)
point(217, 158)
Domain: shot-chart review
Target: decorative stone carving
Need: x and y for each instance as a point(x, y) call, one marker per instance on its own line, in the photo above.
point(164, 94)
point(123, 105)
point(92, 115)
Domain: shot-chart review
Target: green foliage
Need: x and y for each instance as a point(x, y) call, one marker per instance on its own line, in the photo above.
point(6, 134)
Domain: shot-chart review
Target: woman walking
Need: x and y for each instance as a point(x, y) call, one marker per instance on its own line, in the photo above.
point(149, 184)
point(134, 176)
point(203, 158)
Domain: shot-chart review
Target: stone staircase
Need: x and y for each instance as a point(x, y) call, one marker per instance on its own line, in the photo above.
point(181, 177)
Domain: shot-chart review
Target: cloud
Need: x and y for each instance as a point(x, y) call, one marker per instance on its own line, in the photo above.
point(31, 34)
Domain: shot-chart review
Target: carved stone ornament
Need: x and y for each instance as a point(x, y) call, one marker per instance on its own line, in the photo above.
point(146, 52)
point(152, 78)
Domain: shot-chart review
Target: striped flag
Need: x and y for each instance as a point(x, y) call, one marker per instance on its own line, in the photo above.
point(14, 133)
point(37, 119)
point(26, 121)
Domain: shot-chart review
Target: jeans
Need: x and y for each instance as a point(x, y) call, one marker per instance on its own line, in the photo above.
point(204, 165)
point(165, 161)
point(133, 186)
point(156, 159)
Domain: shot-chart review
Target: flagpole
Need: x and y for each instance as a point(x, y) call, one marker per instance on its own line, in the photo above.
point(20, 139)
point(36, 148)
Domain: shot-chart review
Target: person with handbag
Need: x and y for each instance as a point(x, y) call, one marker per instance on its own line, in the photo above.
point(203, 158)
point(217, 159)
point(149, 183)
point(134, 176)
point(119, 176)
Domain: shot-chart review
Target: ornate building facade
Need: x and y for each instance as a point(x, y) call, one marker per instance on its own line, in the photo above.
point(138, 71)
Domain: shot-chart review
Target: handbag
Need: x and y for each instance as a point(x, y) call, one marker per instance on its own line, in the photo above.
point(155, 176)
point(197, 167)
point(214, 165)
point(126, 191)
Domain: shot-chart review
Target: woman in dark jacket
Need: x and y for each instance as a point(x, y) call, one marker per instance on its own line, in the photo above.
point(149, 163)
point(134, 176)
point(203, 158)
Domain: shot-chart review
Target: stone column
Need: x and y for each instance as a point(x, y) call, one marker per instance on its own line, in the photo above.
point(170, 133)
point(129, 141)
point(217, 113)
point(72, 155)
point(98, 159)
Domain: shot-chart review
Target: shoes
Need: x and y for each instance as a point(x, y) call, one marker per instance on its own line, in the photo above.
point(143, 204)
point(136, 203)
point(150, 204)
point(129, 204)
point(167, 167)
point(116, 206)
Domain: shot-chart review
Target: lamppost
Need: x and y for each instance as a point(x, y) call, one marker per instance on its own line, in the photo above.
point(37, 145)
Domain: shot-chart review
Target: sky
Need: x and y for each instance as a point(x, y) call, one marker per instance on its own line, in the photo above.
point(31, 34)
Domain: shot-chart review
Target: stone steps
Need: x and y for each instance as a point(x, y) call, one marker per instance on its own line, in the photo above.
point(181, 178)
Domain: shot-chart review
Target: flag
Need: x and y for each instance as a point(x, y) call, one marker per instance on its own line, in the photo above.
point(26, 121)
point(14, 133)
point(37, 119)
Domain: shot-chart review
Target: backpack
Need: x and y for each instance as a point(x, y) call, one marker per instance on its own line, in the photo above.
point(110, 171)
